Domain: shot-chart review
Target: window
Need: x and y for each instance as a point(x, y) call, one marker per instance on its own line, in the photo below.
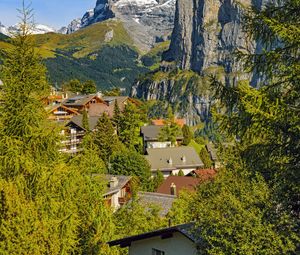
point(157, 252)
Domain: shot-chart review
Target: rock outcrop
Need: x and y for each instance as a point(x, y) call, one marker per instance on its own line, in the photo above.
point(147, 21)
point(208, 32)
point(205, 36)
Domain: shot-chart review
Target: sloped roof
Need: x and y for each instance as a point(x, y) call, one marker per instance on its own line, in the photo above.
point(188, 230)
point(173, 158)
point(51, 108)
point(105, 178)
point(163, 201)
point(77, 120)
point(151, 133)
point(161, 122)
point(79, 100)
point(181, 182)
point(100, 108)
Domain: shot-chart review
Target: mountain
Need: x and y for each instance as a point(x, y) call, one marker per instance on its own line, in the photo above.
point(205, 36)
point(147, 21)
point(38, 29)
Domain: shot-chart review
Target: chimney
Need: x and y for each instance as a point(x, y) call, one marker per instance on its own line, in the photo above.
point(170, 161)
point(113, 182)
point(173, 189)
point(183, 158)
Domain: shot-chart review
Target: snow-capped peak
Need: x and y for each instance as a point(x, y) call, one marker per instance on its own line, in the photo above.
point(38, 29)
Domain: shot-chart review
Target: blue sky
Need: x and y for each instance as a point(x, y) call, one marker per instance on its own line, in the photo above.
point(55, 13)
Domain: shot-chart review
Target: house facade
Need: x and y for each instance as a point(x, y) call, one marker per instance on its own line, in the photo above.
point(171, 160)
point(150, 136)
point(177, 240)
point(118, 191)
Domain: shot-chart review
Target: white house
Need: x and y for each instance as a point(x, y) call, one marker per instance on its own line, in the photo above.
point(171, 160)
point(150, 136)
point(177, 240)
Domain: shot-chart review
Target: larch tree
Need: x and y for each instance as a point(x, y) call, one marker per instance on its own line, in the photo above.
point(46, 205)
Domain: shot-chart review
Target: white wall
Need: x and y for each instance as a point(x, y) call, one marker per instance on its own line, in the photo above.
point(157, 145)
point(176, 245)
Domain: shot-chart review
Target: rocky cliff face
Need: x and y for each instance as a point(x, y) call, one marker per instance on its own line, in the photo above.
point(147, 21)
point(205, 36)
point(207, 32)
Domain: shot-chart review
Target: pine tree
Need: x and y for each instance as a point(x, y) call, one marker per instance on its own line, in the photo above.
point(105, 138)
point(180, 173)
point(117, 117)
point(129, 127)
point(187, 135)
point(46, 205)
point(204, 156)
point(266, 120)
point(85, 121)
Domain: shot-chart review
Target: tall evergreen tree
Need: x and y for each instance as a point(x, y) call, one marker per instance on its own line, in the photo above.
point(117, 117)
point(105, 138)
point(130, 124)
point(266, 121)
point(47, 206)
point(187, 135)
point(85, 121)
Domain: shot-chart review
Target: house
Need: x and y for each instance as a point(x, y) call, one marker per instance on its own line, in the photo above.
point(122, 101)
point(74, 133)
point(162, 201)
point(82, 102)
point(161, 122)
point(108, 106)
point(173, 185)
point(171, 160)
point(213, 154)
point(118, 190)
point(176, 240)
point(150, 136)
point(60, 113)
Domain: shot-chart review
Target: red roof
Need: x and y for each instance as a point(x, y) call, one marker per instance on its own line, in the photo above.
point(181, 182)
point(161, 122)
point(205, 174)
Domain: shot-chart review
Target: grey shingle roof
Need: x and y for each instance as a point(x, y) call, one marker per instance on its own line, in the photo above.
point(122, 181)
point(151, 133)
point(181, 158)
point(80, 100)
point(77, 120)
point(163, 201)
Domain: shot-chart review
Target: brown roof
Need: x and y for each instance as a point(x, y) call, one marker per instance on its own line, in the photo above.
point(181, 182)
point(161, 122)
point(100, 108)
point(205, 174)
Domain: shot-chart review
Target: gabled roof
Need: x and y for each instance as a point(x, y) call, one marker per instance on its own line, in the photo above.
point(100, 108)
point(181, 182)
point(80, 100)
point(173, 158)
point(188, 230)
point(77, 120)
point(52, 108)
point(163, 201)
point(151, 133)
point(122, 181)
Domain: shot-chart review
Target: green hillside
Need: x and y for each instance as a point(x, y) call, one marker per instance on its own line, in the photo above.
point(103, 52)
